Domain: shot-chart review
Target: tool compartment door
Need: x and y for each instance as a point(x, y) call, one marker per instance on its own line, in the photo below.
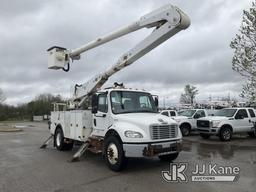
point(83, 125)
point(73, 124)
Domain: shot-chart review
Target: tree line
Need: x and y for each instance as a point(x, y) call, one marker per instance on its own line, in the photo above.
point(41, 105)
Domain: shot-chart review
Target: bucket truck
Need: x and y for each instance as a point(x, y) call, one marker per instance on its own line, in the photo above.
point(119, 122)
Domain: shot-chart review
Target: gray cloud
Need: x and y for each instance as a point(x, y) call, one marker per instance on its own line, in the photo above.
point(199, 55)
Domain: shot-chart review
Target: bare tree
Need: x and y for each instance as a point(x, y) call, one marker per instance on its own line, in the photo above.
point(244, 45)
point(189, 95)
point(249, 91)
point(2, 96)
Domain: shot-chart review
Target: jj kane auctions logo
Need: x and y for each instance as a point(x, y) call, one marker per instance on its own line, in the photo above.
point(201, 173)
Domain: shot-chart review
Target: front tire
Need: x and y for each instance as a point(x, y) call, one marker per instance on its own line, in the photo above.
point(225, 134)
point(169, 157)
point(114, 154)
point(185, 129)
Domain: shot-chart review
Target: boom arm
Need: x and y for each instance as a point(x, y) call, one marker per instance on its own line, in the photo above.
point(167, 21)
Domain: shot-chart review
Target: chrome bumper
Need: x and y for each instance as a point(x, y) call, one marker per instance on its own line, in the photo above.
point(208, 131)
point(151, 149)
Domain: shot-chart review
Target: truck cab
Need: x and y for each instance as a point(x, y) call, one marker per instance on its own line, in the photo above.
point(169, 113)
point(187, 119)
point(121, 123)
point(226, 122)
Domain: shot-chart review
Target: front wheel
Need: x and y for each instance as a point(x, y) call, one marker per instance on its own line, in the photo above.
point(225, 134)
point(169, 157)
point(114, 154)
point(185, 129)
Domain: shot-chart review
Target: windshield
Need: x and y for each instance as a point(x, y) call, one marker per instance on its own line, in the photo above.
point(132, 102)
point(226, 112)
point(187, 113)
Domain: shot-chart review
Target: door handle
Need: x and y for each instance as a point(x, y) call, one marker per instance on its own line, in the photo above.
point(103, 115)
point(250, 121)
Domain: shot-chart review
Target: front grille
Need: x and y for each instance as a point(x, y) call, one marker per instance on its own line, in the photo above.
point(203, 123)
point(163, 131)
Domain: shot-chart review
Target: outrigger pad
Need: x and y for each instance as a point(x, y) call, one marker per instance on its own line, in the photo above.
point(46, 142)
point(80, 152)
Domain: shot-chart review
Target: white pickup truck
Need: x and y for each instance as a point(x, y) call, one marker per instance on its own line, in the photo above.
point(227, 122)
point(187, 119)
point(169, 113)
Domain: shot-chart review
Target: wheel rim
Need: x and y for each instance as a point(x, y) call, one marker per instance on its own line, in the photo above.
point(112, 153)
point(226, 134)
point(58, 139)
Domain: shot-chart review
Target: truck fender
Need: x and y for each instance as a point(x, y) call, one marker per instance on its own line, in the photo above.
point(225, 125)
point(111, 132)
point(185, 123)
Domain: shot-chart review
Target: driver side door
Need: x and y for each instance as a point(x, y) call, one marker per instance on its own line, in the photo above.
point(197, 115)
point(242, 121)
point(101, 119)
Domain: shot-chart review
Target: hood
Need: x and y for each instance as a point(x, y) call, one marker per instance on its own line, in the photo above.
point(181, 117)
point(214, 118)
point(144, 118)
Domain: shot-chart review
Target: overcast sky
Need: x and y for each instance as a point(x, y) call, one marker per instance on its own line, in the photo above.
point(199, 55)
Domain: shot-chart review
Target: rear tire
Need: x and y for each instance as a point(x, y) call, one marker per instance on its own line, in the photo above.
point(59, 141)
point(185, 129)
point(225, 134)
point(252, 134)
point(205, 136)
point(114, 154)
point(169, 157)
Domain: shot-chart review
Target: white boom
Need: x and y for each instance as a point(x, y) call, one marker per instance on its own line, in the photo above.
point(167, 21)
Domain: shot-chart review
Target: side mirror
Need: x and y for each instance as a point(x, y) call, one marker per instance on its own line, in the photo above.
point(196, 116)
point(156, 102)
point(94, 104)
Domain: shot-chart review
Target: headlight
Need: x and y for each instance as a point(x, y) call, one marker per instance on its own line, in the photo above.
point(215, 123)
point(133, 134)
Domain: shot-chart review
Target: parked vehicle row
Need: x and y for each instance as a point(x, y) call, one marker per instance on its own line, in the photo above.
point(186, 118)
point(222, 123)
point(227, 122)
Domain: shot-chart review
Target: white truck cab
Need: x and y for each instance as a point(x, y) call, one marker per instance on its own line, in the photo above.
point(226, 122)
point(169, 113)
point(187, 119)
point(121, 123)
